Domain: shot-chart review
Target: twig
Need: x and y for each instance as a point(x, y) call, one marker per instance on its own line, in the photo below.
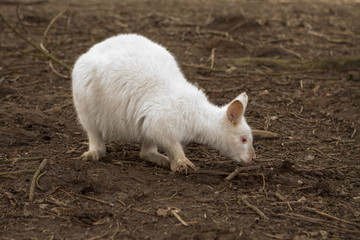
point(287, 202)
point(137, 179)
point(234, 89)
point(233, 174)
point(94, 199)
point(56, 72)
point(49, 26)
point(209, 68)
point(211, 172)
point(264, 184)
point(174, 212)
point(279, 196)
point(14, 160)
point(4, 174)
point(56, 202)
point(58, 107)
point(62, 35)
point(313, 210)
point(120, 201)
point(313, 220)
point(116, 230)
point(42, 46)
point(50, 56)
point(237, 26)
point(37, 181)
point(243, 169)
point(214, 32)
point(19, 19)
point(292, 52)
point(142, 211)
point(33, 181)
point(245, 201)
point(264, 134)
point(212, 58)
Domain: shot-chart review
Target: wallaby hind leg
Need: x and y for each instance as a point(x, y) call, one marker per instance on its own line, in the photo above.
point(149, 152)
point(97, 147)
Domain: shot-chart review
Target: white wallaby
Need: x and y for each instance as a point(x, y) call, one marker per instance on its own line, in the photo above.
point(131, 89)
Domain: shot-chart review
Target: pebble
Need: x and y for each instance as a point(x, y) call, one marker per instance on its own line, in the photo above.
point(309, 157)
point(357, 199)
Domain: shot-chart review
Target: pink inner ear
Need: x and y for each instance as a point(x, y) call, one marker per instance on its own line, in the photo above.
point(234, 111)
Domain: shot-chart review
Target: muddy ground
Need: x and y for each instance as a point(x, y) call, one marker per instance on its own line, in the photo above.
point(297, 61)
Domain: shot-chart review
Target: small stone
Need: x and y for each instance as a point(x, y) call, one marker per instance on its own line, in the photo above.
point(43, 206)
point(324, 234)
point(265, 92)
point(232, 229)
point(300, 182)
point(357, 199)
point(302, 199)
point(309, 157)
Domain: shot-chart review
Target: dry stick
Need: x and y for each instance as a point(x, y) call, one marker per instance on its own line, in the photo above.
point(243, 169)
point(29, 159)
point(43, 40)
point(212, 172)
point(58, 107)
point(174, 212)
point(4, 174)
point(19, 19)
point(264, 134)
point(233, 174)
point(56, 202)
point(33, 181)
point(56, 72)
point(94, 199)
point(292, 52)
point(49, 26)
point(116, 230)
point(313, 210)
point(212, 58)
point(287, 202)
point(208, 68)
point(37, 181)
point(14, 160)
point(245, 201)
point(67, 21)
point(50, 56)
point(279, 196)
point(313, 220)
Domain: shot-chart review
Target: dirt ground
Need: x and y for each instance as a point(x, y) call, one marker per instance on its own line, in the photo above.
point(299, 64)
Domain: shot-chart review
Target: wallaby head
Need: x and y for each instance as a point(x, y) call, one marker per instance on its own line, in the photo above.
point(238, 138)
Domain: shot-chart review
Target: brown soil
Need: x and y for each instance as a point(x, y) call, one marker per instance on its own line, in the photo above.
point(306, 181)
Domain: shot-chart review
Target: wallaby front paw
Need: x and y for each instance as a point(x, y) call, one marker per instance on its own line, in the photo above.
point(182, 165)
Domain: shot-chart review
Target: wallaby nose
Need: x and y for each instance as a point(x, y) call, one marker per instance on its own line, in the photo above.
point(253, 158)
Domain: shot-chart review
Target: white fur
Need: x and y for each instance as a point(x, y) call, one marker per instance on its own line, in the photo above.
point(131, 89)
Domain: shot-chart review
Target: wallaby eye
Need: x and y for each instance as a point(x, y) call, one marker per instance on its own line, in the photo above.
point(243, 140)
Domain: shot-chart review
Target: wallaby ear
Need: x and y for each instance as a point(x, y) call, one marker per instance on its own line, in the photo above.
point(243, 98)
point(234, 112)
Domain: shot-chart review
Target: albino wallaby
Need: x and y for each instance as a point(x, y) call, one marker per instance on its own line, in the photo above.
point(131, 89)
